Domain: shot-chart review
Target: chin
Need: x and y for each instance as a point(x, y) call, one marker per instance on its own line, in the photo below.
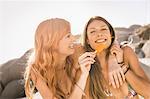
point(72, 51)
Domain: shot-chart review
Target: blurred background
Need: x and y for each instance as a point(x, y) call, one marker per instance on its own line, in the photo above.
point(20, 18)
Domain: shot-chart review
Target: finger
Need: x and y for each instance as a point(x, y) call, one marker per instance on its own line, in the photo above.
point(116, 80)
point(113, 83)
point(120, 78)
point(86, 64)
point(86, 54)
point(114, 51)
point(93, 54)
point(112, 80)
point(86, 59)
point(122, 75)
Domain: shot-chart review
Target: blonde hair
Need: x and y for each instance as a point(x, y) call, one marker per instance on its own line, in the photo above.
point(47, 37)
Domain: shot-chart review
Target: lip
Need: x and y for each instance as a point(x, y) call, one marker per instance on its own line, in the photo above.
point(100, 40)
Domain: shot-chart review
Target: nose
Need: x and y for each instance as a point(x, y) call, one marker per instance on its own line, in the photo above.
point(99, 34)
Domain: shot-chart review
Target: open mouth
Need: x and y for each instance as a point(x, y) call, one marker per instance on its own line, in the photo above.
point(100, 40)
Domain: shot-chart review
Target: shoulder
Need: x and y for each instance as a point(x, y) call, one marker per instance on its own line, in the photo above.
point(127, 49)
point(130, 56)
point(131, 59)
point(128, 52)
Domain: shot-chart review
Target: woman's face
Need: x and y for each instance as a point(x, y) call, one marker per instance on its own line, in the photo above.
point(98, 33)
point(66, 44)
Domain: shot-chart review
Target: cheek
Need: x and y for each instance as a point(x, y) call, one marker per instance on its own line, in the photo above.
point(90, 39)
point(91, 42)
point(109, 42)
point(61, 46)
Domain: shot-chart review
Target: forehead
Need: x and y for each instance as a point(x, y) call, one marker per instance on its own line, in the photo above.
point(97, 24)
point(67, 30)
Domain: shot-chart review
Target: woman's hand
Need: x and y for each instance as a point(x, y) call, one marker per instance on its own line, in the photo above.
point(85, 61)
point(116, 75)
point(117, 51)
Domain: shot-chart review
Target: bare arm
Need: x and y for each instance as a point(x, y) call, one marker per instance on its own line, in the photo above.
point(79, 88)
point(85, 65)
point(116, 75)
point(85, 61)
point(46, 93)
point(136, 76)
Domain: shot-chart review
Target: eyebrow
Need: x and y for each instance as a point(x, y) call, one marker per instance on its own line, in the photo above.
point(101, 27)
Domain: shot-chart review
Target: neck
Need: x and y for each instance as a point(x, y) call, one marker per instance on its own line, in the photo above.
point(102, 59)
point(60, 60)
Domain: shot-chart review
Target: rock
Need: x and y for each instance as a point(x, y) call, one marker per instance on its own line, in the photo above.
point(139, 52)
point(146, 49)
point(134, 27)
point(11, 73)
point(122, 34)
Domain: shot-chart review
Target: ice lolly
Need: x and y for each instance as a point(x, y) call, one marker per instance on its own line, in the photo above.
point(100, 48)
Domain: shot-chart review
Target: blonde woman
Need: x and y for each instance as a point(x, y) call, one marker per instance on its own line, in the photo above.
point(51, 69)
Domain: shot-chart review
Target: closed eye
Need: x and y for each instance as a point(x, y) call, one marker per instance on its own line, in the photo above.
point(92, 31)
point(104, 29)
point(68, 36)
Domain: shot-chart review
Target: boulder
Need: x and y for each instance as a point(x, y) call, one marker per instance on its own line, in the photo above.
point(12, 76)
point(146, 49)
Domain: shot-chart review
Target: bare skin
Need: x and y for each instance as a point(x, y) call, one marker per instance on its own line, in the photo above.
point(97, 33)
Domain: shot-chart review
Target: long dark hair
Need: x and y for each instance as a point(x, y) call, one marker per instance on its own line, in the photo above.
point(96, 77)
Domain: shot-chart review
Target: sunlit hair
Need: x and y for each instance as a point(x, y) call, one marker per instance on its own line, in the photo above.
point(42, 62)
point(96, 77)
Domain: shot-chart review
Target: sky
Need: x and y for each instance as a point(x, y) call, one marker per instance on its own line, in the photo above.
point(20, 18)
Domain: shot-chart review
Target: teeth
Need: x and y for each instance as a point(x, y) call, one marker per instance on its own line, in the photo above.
point(99, 41)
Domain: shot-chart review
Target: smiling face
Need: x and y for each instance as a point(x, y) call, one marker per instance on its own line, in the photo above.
point(66, 44)
point(98, 33)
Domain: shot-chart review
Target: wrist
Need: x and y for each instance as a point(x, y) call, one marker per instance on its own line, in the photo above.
point(125, 68)
point(120, 62)
point(82, 90)
point(84, 75)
